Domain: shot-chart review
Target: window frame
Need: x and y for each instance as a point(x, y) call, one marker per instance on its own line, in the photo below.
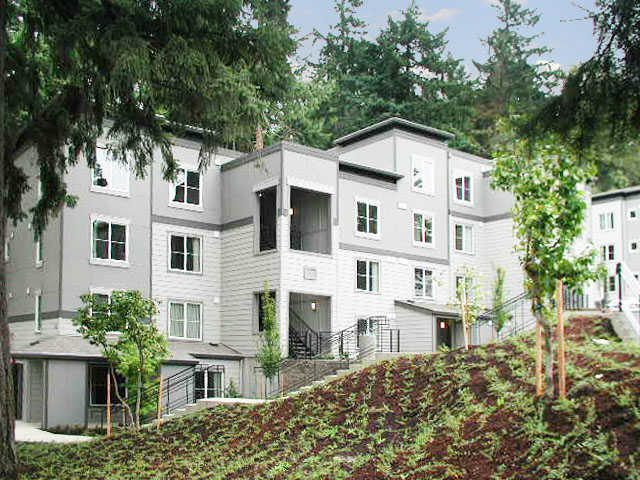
point(424, 214)
point(110, 190)
point(634, 250)
point(39, 253)
point(608, 226)
point(608, 250)
point(170, 251)
point(37, 313)
point(7, 248)
point(368, 203)
point(184, 205)
point(462, 174)
point(368, 262)
point(184, 328)
point(464, 250)
point(433, 283)
point(114, 398)
point(109, 262)
point(428, 184)
point(635, 212)
point(258, 307)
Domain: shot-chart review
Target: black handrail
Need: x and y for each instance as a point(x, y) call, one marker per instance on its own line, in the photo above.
point(304, 334)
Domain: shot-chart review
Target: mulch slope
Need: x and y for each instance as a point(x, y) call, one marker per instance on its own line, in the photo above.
point(456, 415)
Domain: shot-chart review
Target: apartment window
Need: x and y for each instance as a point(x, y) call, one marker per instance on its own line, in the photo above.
point(109, 239)
point(98, 386)
point(422, 175)
point(7, 249)
point(633, 214)
point(267, 200)
point(633, 246)
point(367, 276)
point(606, 221)
point(109, 175)
point(463, 188)
point(463, 238)
point(185, 320)
point(422, 228)
point(608, 252)
point(367, 218)
point(37, 314)
point(464, 287)
point(185, 253)
point(101, 298)
point(261, 310)
point(186, 190)
point(612, 283)
point(39, 252)
point(423, 282)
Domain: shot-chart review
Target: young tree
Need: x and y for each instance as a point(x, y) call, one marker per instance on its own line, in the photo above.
point(269, 355)
point(468, 299)
point(150, 67)
point(515, 80)
point(500, 317)
point(136, 351)
point(547, 180)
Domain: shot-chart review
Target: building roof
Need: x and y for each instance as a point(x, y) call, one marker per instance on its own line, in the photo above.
point(431, 307)
point(622, 192)
point(388, 124)
point(66, 347)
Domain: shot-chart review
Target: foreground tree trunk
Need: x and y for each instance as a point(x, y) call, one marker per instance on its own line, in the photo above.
point(8, 460)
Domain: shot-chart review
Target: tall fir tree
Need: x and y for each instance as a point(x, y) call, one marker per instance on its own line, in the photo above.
point(151, 67)
point(514, 79)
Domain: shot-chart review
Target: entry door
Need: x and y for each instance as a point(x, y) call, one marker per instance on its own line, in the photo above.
point(208, 384)
point(443, 332)
point(17, 388)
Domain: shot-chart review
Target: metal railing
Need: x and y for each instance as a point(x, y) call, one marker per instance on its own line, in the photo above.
point(304, 341)
point(574, 300)
point(515, 315)
point(629, 295)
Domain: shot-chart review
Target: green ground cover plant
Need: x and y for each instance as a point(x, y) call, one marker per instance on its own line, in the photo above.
point(453, 415)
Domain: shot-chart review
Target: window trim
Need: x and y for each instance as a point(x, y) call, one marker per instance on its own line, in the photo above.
point(607, 249)
point(636, 211)
point(185, 235)
point(461, 174)
point(257, 311)
point(184, 205)
point(607, 215)
point(433, 282)
point(637, 249)
point(39, 253)
point(109, 190)
point(37, 313)
point(114, 399)
point(375, 203)
point(185, 303)
point(109, 262)
point(424, 213)
point(368, 262)
point(473, 242)
point(425, 190)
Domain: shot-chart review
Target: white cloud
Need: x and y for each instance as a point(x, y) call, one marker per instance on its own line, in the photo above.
point(494, 2)
point(441, 15)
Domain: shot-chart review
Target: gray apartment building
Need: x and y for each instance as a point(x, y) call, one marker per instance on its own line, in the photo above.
point(378, 227)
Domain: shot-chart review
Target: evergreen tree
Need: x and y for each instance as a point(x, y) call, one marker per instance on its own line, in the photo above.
point(512, 84)
point(67, 65)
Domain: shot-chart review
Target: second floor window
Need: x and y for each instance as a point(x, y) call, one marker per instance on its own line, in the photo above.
point(185, 253)
point(608, 252)
point(463, 238)
point(367, 218)
point(185, 320)
point(423, 282)
point(186, 190)
point(463, 188)
point(368, 276)
point(37, 315)
point(422, 229)
point(109, 241)
point(606, 221)
point(422, 180)
point(110, 175)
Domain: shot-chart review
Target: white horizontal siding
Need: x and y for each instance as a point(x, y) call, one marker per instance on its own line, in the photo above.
point(416, 330)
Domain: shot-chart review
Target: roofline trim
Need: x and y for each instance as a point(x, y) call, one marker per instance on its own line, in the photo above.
point(391, 123)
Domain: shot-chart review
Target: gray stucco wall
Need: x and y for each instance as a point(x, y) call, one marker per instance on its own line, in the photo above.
point(67, 393)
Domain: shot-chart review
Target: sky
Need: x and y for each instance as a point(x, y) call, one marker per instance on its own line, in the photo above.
point(562, 24)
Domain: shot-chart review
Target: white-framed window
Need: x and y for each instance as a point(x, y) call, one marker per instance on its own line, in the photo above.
point(186, 191)
point(367, 276)
point(7, 248)
point(109, 175)
point(423, 285)
point(422, 175)
point(464, 290)
point(633, 213)
point(109, 241)
point(608, 252)
point(463, 187)
point(39, 254)
point(185, 320)
point(101, 295)
point(37, 313)
point(612, 283)
point(606, 221)
point(634, 246)
point(463, 238)
point(367, 218)
point(423, 229)
point(185, 253)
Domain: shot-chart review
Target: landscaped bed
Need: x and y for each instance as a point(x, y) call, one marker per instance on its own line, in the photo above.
point(456, 415)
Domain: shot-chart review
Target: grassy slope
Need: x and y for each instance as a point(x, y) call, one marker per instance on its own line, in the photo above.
point(460, 415)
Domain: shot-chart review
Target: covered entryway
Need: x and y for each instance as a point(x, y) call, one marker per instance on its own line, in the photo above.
point(309, 324)
point(444, 333)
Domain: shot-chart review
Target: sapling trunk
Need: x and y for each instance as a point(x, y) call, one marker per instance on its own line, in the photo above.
point(122, 401)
